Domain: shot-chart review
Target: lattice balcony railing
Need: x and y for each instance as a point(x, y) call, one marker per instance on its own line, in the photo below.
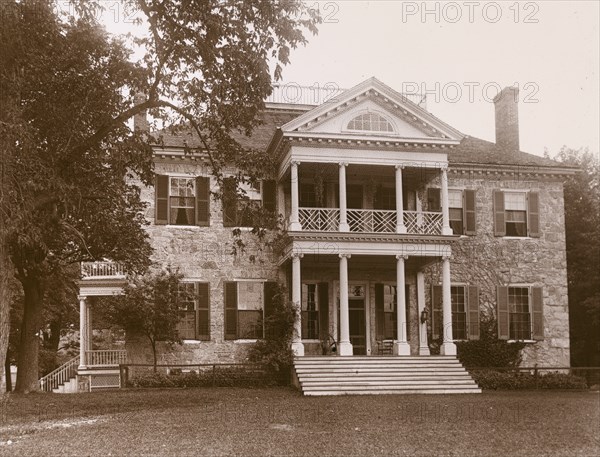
point(423, 223)
point(105, 269)
point(372, 221)
point(319, 219)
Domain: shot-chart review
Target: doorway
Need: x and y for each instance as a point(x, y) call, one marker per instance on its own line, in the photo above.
point(357, 325)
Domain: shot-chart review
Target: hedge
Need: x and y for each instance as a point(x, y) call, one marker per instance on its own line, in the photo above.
point(503, 380)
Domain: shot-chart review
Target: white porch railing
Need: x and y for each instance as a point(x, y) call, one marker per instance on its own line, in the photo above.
point(59, 376)
point(105, 357)
point(423, 223)
point(372, 220)
point(319, 219)
point(106, 269)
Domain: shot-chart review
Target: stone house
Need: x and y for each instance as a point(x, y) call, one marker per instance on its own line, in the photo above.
point(379, 196)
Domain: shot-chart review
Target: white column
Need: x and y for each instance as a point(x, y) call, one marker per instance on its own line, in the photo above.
point(401, 346)
point(400, 227)
point(423, 343)
point(83, 332)
point(344, 347)
point(446, 230)
point(297, 346)
point(448, 346)
point(294, 218)
point(344, 227)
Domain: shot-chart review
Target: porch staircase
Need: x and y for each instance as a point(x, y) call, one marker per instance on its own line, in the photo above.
point(334, 375)
point(63, 379)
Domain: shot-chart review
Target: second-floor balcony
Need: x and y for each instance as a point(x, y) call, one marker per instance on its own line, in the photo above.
point(370, 221)
point(102, 270)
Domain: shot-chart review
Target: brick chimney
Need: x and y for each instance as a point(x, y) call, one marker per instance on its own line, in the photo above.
point(140, 121)
point(507, 118)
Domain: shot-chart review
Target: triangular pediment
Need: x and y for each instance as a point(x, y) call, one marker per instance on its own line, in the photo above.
point(372, 109)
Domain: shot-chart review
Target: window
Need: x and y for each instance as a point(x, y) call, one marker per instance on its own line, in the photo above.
point(387, 313)
point(455, 210)
point(459, 312)
point(310, 311)
point(464, 303)
point(520, 312)
point(247, 304)
point(516, 213)
point(194, 311)
point(182, 200)
point(371, 122)
point(241, 212)
point(461, 208)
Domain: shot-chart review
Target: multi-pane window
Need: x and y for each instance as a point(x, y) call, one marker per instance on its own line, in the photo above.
point(385, 198)
point(455, 211)
point(182, 194)
point(390, 327)
point(370, 121)
point(243, 211)
point(515, 207)
point(459, 312)
point(519, 313)
point(250, 309)
point(310, 311)
point(181, 200)
point(194, 313)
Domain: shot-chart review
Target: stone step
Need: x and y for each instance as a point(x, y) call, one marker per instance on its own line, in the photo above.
point(379, 367)
point(386, 382)
point(415, 391)
point(381, 376)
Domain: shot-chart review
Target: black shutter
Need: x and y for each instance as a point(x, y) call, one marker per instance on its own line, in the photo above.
point(437, 321)
point(379, 312)
point(538, 313)
point(229, 199)
point(230, 326)
point(533, 214)
point(323, 310)
point(473, 313)
point(469, 211)
point(203, 311)
point(270, 290)
point(161, 204)
point(502, 312)
point(203, 201)
point(499, 216)
point(434, 201)
point(269, 195)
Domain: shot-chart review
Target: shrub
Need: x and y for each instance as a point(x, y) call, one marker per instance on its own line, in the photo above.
point(247, 376)
point(274, 351)
point(503, 380)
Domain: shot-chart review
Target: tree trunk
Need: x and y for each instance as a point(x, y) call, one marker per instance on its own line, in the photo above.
point(154, 354)
point(5, 299)
point(29, 344)
point(7, 372)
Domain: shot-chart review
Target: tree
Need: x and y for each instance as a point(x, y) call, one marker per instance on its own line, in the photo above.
point(582, 225)
point(148, 307)
point(68, 156)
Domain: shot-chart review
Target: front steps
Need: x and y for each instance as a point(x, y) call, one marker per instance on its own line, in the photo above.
point(335, 375)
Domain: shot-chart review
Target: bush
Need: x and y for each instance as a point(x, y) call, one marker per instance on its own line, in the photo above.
point(489, 353)
point(504, 380)
point(221, 377)
point(274, 351)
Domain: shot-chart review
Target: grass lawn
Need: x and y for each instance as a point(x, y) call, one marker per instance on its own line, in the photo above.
point(279, 421)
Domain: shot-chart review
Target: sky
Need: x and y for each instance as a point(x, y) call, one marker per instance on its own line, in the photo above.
point(460, 54)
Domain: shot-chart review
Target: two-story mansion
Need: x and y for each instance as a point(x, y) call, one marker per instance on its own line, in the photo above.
point(403, 234)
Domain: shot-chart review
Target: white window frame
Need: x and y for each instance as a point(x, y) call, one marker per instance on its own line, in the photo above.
point(237, 307)
point(517, 191)
point(529, 304)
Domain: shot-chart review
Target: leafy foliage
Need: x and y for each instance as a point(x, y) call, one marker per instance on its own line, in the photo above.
point(68, 155)
point(582, 224)
point(275, 349)
point(244, 376)
point(489, 351)
point(148, 307)
point(501, 380)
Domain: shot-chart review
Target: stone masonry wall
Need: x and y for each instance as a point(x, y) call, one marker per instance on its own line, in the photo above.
point(488, 261)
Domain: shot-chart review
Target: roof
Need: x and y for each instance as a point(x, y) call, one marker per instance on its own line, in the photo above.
point(470, 150)
point(261, 136)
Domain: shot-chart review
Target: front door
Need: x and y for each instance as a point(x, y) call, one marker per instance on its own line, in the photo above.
point(356, 311)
